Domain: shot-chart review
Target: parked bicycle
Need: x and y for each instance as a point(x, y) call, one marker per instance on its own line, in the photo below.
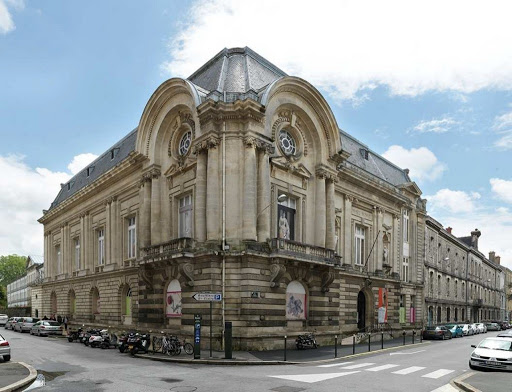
point(171, 345)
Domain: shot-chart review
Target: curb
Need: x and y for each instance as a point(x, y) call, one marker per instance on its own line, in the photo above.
point(27, 380)
point(224, 362)
point(458, 382)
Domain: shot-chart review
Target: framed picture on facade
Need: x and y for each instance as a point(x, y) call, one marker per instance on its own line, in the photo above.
point(295, 301)
point(383, 304)
point(173, 299)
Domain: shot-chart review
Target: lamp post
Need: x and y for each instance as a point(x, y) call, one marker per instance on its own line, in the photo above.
point(280, 198)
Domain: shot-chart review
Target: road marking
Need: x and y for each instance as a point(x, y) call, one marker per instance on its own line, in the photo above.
point(312, 378)
point(379, 368)
point(357, 366)
point(334, 364)
point(438, 373)
point(408, 353)
point(409, 370)
point(446, 388)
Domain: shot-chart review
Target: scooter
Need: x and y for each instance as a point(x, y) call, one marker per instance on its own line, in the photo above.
point(109, 341)
point(96, 339)
point(306, 341)
point(138, 343)
point(75, 335)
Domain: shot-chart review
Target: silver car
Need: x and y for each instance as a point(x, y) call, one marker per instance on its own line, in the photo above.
point(492, 353)
point(10, 323)
point(5, 349)
point(45, 328)
point(3, 319)
point(24, 324)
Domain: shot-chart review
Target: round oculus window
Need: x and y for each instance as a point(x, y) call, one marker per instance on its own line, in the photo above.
point(287, 143)
point(185, 142)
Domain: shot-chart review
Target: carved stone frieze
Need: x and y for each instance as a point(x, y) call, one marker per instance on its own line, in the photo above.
point(206, 144)
point(327, 279)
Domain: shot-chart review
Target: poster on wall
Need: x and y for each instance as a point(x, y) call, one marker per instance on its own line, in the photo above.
point(383, 305)
point(412, 315)
point(295, 306)
point(401, 314)
point(173, 304)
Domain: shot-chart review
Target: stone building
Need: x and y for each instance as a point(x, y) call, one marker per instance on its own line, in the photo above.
point(19, 292)
point(238, 180)
point(508, 293)
point(461, 284)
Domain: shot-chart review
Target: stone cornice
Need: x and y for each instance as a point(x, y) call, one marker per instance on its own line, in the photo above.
point(246, 110)
point(203, 144)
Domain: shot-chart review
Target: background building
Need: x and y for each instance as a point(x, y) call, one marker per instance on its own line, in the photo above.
point(19, 292)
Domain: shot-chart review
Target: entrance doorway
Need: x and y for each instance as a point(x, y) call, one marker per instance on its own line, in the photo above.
point(361, 311)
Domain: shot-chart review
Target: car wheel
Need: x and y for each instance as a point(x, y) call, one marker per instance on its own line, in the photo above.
point(7, 358)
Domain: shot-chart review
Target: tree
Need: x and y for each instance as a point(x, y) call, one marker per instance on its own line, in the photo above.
point(11, 268)
point(3, 297)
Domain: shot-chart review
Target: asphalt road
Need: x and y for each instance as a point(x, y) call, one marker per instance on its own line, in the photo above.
point(72, 367)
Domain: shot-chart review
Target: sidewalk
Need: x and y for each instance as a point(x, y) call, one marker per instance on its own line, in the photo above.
point(483, 381)
point(14, 375)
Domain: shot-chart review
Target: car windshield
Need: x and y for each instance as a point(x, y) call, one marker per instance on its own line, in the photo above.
point(496, 344)
point(450, 326)
point(53, 323)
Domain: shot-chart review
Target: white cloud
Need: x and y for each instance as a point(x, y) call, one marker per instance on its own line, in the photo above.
point(435, 126)
point(6, 22)
point(502, 189)
point(453, 201)
point(25, 193)
point(503, 126)
point(349, 48)
point(80, 161)
point(421, 162)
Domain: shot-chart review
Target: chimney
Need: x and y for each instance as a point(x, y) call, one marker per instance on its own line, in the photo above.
point(497, 260)
point(474, 238)
point(492, 254)
point(449, 230)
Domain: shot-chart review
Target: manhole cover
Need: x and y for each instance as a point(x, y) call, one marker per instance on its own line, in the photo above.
point(171, 380)
point(183, 389)
point(287, 389)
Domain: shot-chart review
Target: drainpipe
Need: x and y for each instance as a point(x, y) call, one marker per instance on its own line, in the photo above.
point(223, 230)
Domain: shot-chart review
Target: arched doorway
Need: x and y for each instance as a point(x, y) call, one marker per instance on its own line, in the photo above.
point(438, 314)
point(126, 305)
point(430, 315)
point(361, 310)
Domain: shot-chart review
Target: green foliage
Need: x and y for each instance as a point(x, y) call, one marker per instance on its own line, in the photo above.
point(11, 268)
point(3, 297)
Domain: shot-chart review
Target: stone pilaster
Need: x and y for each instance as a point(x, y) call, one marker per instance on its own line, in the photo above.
point(379, 245)
point(395, 252)
point(213, 182)
point(82, 242)
point(200, 196)
point(145, 211)
point(108, 229)
point(263, 189)
point(249, 197)
point(320, 209)
point(156, 226)
point(330, 240)
point(347, 231)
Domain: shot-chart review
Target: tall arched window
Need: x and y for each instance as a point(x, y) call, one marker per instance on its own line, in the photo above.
point(296, 301)
point(173, 299)
point(448, 314)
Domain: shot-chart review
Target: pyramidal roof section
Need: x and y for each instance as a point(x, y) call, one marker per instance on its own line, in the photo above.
point(236, 70)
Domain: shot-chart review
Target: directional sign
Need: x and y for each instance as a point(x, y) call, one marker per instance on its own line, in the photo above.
point(208, 297)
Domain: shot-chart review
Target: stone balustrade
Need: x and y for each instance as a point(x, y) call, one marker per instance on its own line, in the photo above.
point(301, 251)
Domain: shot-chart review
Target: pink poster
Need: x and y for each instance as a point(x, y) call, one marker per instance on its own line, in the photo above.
point(412, 315)
point(383, 303)
point(173, 304)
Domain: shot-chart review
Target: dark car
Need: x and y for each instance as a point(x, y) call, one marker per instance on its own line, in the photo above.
point(493, 326)
point(439, 332)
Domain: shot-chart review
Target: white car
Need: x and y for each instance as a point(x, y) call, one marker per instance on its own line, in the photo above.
point(475, 328)
point(5, 349)
point(3, 319)
point(467, 330)
point(481, 328)
point(492, 353)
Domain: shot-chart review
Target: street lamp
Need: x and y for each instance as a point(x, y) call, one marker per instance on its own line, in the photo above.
point(282, 197)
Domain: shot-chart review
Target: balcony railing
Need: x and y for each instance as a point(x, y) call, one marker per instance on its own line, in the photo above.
point(301, 250)
point(174, 246)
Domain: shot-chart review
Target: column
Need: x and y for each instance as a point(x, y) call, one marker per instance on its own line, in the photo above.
point(249, 197)
point(156, 226)
point(47, 259)
point(347, 231)
point(320, 224)
point(213, 182)
point(395, 251)
point(145, 212)
point(200, 196)
point(89, 252)
point(113, 231)
point(330, 240)
point(108, 229)
point(82, 242)
point(264, 201)
point(379, 245)
point(413, 238)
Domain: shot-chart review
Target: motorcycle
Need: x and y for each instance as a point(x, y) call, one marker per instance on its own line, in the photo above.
point(75, 335)
point(306, 341)
point(96, 339)
point(139, 342)
point(123, 342)
point(88, 334)
point(109, 341)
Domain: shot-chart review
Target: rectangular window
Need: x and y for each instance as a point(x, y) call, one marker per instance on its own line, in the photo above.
point(132, 240)
point(405, 224)
point(405, 269)
point(77, 254)
point(286, 218)
point(59, 260)
point(101, 246)
point(359, 245)
point(185, 216)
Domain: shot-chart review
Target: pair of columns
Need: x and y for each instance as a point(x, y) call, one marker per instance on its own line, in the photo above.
point(325, 214)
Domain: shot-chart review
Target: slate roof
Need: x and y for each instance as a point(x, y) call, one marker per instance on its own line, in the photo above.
point(101, 165)
point(36, 259)
point(467, 240)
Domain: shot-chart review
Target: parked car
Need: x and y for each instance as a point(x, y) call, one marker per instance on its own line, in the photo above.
point(24, 324)
point(45, 328)
point(475, 328)
point(455, 329)
point(5, 349)
point(10, 323)
point(481, 328)
point(506, 334)
point(492, 353)
point(439, 332)
point(493, 327)
point(3, 319)
point(467, 330)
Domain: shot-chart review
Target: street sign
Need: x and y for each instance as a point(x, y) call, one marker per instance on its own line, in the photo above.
point(208, 297)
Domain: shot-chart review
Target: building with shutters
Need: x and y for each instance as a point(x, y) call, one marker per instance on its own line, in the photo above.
point(238, 180)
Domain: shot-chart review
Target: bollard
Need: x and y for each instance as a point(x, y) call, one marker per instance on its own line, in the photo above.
point(354, 344)
point(413, 333)
point(285, 348)
point(369, 342)
point(382, 340)
point(403, 333)
point(335, 346)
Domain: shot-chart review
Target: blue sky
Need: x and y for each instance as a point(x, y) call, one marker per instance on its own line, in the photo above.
point(75, 77)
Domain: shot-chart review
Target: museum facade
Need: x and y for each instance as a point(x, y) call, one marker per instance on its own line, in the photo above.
point(238, 181)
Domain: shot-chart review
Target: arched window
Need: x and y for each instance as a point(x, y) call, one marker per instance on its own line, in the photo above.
point(127, 303)
point(438, 314)
point(431, 283)
point(173, 299)
point(448, 314)
point(295, 301)
point(456, 318)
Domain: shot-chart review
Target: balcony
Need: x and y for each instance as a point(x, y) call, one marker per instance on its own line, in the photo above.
point(304, 251)
point(177, 245)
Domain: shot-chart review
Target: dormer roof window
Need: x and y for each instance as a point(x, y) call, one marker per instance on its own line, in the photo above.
point(364, 153)
point(114, 152)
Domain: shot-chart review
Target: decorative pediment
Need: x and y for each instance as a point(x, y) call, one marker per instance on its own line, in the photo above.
point(284, 164)
point(411, 187)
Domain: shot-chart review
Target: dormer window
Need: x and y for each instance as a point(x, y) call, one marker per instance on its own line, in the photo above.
point(364, 153)
point(70, 184)
point(90, 169)
point(114, 152)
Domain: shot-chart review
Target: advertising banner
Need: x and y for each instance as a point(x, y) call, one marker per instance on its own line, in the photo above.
point(383, 304)
point(173, 304)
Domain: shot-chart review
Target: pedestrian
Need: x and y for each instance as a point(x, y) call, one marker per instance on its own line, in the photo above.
point(65, 321)
point(45, 318)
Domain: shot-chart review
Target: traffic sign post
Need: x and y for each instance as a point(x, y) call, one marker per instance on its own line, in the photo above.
point(209, 297)
point(197, 336)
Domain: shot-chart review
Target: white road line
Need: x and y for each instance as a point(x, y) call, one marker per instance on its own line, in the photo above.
point(446, 388)
point(408, 370)
point(379, 368)
point(438, 373)
point(356, 366)
point(312, 378)
point(334, 364)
